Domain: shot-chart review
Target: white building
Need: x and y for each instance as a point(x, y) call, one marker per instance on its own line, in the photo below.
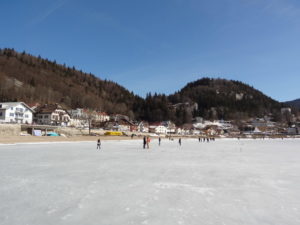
point(143, 127)
point(102, 117)
point(52, 114)
point(15, 112)
point(78, 118)
point(76, 113)
point(171, 127)
point(157, 128)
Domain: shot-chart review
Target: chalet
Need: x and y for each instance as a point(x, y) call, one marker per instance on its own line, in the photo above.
point(171, 127)
point(143, 126)
point(120, 125)
point(101, 117)
point(76, 113)
point(111, 125)
point(78, 118)
point(52, 114)
point(178, 130)
point(195, 131)
point(157, 128)
point(15, 112)
point(126, 125)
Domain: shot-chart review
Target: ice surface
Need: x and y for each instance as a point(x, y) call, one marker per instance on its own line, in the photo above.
point(251, 182)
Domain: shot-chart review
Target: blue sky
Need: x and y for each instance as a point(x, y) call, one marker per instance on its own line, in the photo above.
point(160, 45)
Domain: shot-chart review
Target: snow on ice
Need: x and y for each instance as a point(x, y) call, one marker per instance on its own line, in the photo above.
point(234, 182)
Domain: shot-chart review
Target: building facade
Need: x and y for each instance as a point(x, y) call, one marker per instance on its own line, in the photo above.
point(15, 112)
point(52, 114)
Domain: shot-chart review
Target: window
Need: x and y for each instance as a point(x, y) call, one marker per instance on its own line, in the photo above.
point(0, 105)
point(0, 113)
point(46, 116)
point(12, 108)
point(26, 116)
point(11, 114)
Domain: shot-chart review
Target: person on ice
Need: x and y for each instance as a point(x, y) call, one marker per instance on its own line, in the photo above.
point(159, 140)
point(148, 142)
point(99, 144)
point(179, 141)
point(144, 142)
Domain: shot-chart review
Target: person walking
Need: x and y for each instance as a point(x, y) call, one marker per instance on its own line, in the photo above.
point(179, 141)
point(144, 142)
point(159, 140)
point(99, 144)
point(148, 142)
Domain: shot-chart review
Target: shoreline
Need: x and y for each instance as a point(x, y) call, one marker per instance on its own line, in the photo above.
point(50, 139)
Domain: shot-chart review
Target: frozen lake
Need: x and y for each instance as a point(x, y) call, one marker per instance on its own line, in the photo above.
point(246, 182)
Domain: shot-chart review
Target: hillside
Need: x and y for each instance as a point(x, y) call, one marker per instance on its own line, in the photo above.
point(211, 99)
point(226, 99)
point(295, 103)
point(24, 77)
point(27, 78)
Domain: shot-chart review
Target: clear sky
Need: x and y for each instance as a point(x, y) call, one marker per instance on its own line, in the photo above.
point(160, 45)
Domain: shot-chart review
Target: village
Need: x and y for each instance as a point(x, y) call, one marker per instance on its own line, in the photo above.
point(44, 120)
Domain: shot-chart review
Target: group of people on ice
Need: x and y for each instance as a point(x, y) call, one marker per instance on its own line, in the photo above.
point(207, 139)
point(147, 140)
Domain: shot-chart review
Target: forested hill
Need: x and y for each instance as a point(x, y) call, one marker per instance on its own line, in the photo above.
point(24, 77)
point(295, 103)
point(215, 99)
point(226, 98)
point(27, 78)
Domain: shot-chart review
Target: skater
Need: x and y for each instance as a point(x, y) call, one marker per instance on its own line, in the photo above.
point(179, 141)
point(159, 140)
point(99, 144)
point(144, 142)
point(148, 142)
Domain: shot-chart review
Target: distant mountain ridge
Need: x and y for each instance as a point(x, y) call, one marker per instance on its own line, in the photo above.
point(27, 78)
point(294, 103)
